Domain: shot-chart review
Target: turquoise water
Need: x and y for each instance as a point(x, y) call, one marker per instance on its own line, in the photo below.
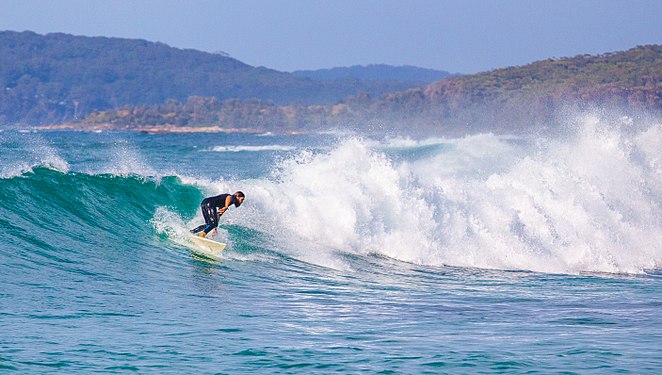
point(482, 254)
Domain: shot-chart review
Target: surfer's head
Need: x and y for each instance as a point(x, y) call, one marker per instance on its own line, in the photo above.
point(239, 198)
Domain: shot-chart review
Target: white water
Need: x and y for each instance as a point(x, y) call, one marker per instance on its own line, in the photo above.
point(249, 148)
point(37, 153)
point(589, 202)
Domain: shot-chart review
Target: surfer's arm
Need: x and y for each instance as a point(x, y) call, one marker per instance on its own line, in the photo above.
point(228, 200)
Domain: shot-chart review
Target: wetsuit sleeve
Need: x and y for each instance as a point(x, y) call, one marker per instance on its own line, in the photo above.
point(224, 205)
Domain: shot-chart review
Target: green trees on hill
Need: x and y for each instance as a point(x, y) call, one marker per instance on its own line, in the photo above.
point(509, 99)
point(58, 77)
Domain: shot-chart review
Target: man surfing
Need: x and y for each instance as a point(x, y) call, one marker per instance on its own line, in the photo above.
point(213, 207)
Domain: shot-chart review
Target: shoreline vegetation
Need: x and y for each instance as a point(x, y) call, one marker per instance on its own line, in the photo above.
point(155, 129)
point(215, 93)
point(513, 100)
point(61, 78)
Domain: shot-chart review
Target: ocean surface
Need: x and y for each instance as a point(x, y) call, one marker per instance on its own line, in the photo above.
point(351, 254)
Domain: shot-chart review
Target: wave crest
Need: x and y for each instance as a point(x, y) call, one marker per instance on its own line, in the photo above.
point(587, 203)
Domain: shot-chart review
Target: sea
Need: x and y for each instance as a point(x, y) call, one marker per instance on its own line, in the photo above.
point(353, 253)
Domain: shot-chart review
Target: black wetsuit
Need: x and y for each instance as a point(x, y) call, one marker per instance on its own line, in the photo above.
point(209, 208)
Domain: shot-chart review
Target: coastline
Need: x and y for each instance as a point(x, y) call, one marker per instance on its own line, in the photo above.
point(159, 129)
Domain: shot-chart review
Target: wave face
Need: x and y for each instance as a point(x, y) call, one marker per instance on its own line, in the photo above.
point(51, 209)
point(585, 202)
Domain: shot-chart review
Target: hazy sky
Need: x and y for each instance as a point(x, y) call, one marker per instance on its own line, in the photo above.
point(463, 36)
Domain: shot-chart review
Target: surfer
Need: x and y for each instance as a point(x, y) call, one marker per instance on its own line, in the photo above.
point(213, 207)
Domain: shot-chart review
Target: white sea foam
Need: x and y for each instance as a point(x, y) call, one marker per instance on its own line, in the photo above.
point(126, 160)
point(587, 203)
point(36, 152)
point(50, 157)
point(248, 148)
point(407, 142)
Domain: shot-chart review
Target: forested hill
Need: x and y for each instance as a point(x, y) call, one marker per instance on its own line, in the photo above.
point(518, 97)
point(59, 77)
point(503, 100)
point(56, 76)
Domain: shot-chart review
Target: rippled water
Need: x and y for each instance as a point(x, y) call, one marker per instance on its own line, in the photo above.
point(350, 255)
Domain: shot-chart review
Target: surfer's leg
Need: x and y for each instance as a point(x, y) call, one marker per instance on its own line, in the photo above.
point(215, 217)
point(211, 218)
point(206, 214)
point(199, 228)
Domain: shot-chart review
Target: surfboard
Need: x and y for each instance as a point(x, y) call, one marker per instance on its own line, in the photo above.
point(208, 248)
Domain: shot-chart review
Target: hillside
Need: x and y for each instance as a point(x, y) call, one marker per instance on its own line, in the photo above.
point(512, 99)
point(59, 77)
point(518, 97)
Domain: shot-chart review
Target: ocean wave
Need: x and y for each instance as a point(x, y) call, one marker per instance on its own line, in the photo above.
point(25, 154)
point(80, 203)
point(589, 202)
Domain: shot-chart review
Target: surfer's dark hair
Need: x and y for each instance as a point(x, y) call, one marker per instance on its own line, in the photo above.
point(240, 194)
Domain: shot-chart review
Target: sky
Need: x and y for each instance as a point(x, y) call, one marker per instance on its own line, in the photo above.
point(459, 36)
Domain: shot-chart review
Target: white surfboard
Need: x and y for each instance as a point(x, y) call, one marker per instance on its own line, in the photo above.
point(208, 248)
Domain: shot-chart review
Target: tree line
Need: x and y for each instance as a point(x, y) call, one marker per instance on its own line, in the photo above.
point(508, 99)
point(61, 78)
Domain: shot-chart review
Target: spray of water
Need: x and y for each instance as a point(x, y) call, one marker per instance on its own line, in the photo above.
point(585, 202)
